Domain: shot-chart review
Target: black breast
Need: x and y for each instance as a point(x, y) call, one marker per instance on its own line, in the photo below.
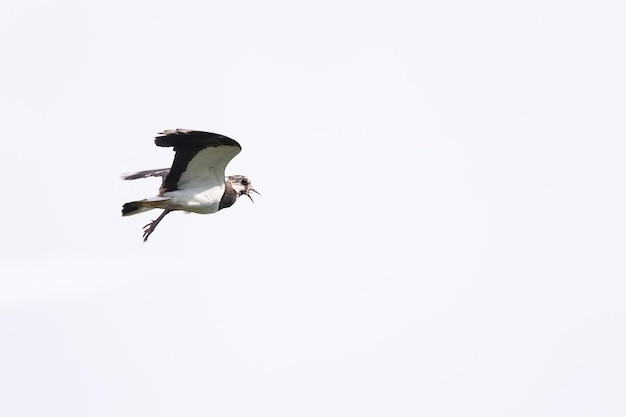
point(229, 197)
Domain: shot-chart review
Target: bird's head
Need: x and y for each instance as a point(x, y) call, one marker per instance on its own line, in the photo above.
point(242, 185)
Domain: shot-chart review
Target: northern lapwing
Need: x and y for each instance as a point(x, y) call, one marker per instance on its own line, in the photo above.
point(195, 183)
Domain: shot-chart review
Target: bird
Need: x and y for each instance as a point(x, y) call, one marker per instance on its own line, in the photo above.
point(196, 182)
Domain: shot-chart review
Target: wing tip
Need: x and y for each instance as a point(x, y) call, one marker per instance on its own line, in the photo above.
point(161, 172)
point(189, 138)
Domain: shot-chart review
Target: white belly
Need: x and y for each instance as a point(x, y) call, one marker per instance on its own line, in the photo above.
point(197, 200)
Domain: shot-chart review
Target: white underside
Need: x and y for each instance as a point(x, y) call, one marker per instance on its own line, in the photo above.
point(196, 200)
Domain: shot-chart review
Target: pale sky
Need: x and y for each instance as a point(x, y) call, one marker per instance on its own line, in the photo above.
point(441, 231)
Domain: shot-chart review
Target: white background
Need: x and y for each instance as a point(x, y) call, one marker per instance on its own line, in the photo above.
point(441, 231)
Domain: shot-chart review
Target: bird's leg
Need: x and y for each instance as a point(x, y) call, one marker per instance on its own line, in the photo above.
point(149, 228)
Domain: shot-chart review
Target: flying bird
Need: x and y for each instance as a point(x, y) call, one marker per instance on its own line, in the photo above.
point(196, 182)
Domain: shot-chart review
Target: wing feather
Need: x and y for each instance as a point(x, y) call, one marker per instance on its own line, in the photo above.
point(146, 174)
point(200, 160)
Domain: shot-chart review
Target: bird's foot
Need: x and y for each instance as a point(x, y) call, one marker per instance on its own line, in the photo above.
point(148, 229)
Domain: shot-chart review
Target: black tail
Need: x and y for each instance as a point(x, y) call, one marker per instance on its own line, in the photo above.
point(133, 207)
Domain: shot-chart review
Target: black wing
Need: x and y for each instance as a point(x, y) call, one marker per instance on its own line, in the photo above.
point(146, 174)
point(200, 160)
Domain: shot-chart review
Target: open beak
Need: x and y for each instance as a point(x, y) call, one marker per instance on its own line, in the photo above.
point(254, 191)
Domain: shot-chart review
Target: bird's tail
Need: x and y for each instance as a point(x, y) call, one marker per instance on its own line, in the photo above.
point(136, 207)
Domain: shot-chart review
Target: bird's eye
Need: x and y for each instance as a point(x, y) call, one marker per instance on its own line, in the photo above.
point(244, 181)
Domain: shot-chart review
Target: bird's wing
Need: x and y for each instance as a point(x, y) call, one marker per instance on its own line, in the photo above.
point(145, 174)
point(200, 160)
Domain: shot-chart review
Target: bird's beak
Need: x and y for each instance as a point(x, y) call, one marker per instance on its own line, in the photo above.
point(254, 191)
